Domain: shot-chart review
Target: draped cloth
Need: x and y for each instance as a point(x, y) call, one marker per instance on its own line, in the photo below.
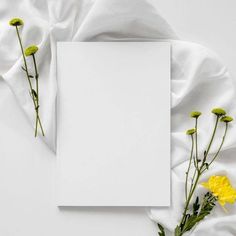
point(199, 81)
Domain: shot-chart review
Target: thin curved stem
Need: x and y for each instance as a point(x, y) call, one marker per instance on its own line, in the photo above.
point(37, 99)
point(190, 197)
point(22, 51)
point(210, 143)
point(196, 145)
point(189, 165)
point(193, 178)
point(222, 142)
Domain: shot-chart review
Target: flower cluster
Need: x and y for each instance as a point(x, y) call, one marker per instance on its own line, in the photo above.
point(219, 187)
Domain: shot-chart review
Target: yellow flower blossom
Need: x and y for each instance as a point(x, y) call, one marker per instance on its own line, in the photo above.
point(218, 111)
point(195, 114)
point(190, 131)
point(31, 50)
point(16, 22)
point(222, 189)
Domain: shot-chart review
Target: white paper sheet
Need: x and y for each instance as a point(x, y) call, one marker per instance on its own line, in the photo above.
point(113, 124)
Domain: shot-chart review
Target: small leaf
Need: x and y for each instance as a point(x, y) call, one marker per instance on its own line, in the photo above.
point(23, 68)
point(34, 94)
point(199, 212)
point(31, 76)
point(178, 231)
point(162, 230)
point(196, 206)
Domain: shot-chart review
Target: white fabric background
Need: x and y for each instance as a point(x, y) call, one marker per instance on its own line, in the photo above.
point(199, 81)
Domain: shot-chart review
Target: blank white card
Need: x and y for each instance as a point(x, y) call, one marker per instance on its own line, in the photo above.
point(113, 127)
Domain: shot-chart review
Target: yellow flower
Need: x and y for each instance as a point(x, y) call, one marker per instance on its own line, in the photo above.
point(226, 119)
point(221, 188)
point(195, 114)
point(31, 50)
point(190, 131)
point(218, 111)
point(16, 22)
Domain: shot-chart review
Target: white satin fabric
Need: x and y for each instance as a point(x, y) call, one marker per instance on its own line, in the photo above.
point(199, 80)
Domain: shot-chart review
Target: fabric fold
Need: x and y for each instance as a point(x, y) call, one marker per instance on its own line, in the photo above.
point(199, 80)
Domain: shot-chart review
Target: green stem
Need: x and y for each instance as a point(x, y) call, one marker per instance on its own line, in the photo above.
point(22, 51)
point(196, 146)
point(36, 78)
point(190, 197)
point(212, 138)
point(27, 74)
point(193, 179)
point(199, 172)
point(37, 100)
point(222, 142)
point(189, 165)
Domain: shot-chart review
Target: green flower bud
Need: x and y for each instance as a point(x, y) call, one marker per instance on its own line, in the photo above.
point(226, 119)
point(190, 131)
point(195, 114)
point(218, 111)
point(16, 22)
point(31, 50)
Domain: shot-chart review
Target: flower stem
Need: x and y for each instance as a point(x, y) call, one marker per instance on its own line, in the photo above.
point(190, 197)
point(37, 99)
point(28, 77)
point(210, 143)
point(199, 172)
point(189, 165)
point(196, 146)
point(222, 142)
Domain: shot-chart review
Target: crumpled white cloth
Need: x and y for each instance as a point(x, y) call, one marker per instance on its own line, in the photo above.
point(199, 81)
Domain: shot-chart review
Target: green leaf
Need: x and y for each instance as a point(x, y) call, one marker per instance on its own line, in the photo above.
point(178, 231)
point(196, 206)
point(31, 76)
point(162, 230)
point(34, 94)
point(199, 212)
point(23, 68)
